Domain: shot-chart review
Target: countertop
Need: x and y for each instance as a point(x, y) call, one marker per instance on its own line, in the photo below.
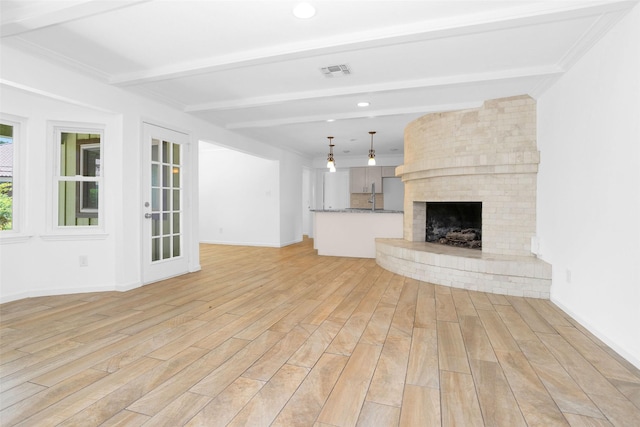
point(357, 210)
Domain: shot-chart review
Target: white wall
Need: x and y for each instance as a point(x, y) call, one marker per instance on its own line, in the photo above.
point(238, 198)
point(39, 265)
point(589, 188)
point(39, 91)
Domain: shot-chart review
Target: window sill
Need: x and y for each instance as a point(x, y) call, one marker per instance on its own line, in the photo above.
point(69, 236)
point(10, 238)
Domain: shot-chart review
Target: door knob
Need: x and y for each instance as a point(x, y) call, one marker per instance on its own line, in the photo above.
point(148, 215)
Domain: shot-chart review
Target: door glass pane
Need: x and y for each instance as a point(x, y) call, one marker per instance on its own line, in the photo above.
point(155, 175)
point(166, 224)
point(176, 245)
point(166, 194)
point(166, 175)
point(155, 249)
point(165, 151)
point(176, 154)
point(166, 172)
point(155, 224)
point(155, 199)
point(176, 200)
point(166, 247)
point(176, 177)
point(176, 223)
point(154, 150)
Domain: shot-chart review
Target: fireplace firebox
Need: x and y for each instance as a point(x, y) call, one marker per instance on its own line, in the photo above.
point(455, 224)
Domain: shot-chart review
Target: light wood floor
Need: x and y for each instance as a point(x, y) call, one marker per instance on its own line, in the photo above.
point(283, 337)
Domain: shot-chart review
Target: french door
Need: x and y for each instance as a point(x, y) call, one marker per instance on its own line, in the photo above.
point(164, 236)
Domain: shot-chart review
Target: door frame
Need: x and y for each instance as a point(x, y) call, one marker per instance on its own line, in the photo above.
point(189, 247)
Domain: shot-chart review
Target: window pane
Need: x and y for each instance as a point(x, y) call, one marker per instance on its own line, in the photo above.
point(79, 154)
point(6, 177)
point(78, 203)
point(78, 198)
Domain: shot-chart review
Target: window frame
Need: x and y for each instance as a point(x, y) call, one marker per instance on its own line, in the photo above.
point(63, 232)
point(18, 215)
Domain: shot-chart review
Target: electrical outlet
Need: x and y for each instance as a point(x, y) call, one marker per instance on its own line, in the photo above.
point(83, 261)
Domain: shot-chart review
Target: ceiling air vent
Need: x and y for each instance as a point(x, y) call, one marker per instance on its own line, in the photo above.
point(336, 71)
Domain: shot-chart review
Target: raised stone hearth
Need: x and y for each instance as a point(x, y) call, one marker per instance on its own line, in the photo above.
point(486, 155)
point(465, 268)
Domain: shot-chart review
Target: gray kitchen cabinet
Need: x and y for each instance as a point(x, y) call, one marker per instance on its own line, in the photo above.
point(388, 171)
point(361, 178)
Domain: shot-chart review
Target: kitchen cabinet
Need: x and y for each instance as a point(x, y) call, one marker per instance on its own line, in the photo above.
point(388, 171)
point(361, 178)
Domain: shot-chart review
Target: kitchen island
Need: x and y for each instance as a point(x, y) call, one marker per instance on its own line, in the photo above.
point(352, 232)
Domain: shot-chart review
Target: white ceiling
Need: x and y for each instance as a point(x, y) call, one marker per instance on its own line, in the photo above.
point(252, 67)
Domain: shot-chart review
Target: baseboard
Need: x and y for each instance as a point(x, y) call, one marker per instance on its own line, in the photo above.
point(127, 286)
point(223, 242)
point(292, 242)
point(602, 337)
point(35, 293)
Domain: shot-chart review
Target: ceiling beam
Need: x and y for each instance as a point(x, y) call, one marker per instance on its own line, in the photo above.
point(423, 109)
point(528, 14)
point(262, 101)
point(42, 14)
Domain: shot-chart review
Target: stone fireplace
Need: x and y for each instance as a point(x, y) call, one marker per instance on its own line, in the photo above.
point(487, 156)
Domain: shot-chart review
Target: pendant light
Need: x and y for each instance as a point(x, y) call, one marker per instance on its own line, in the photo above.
point(372, 152)
point(331, 164)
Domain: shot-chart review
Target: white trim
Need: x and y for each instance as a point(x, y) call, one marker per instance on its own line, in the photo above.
point(7, 239)
point(81, 235)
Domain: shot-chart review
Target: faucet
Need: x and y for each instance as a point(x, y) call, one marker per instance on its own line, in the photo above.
point(372, 199)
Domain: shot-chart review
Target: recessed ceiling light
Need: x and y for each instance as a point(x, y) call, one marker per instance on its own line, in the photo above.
point(304, 11)
point(331, 120)
point(363, 104)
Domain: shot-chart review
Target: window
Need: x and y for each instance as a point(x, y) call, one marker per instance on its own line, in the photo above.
point(78, 177)
point(7, 162)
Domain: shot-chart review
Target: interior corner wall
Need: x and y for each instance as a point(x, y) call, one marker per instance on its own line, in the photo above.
point(589, 188)
point(238, 198)
point(291, 199)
